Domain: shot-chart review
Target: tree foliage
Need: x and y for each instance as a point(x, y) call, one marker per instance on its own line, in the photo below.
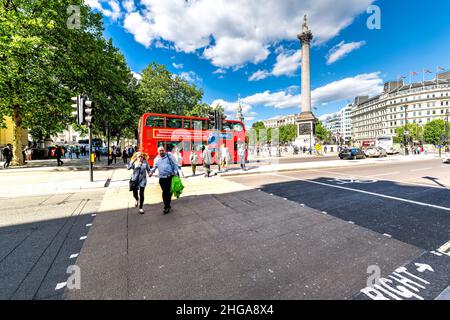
point(322, 134)
point(287, 133)
point(434, 131)
point(160, 91)
point(43, 63)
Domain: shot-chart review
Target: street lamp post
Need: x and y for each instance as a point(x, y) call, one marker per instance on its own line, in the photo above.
point(405, 131)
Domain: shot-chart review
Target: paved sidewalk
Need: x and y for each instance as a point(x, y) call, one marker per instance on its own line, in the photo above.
point(226, 241)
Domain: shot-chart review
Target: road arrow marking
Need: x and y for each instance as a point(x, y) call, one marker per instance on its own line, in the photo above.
point(422, 267)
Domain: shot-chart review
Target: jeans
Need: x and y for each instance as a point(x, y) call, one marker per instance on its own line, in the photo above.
point(165, 184)
point(139, 198)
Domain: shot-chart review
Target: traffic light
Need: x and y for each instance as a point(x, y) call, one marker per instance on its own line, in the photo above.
point(87, 111)
point(78, 106)
point(223, 118)
point(212, 119)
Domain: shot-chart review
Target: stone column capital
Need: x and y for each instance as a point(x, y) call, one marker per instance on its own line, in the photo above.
point(305, 37)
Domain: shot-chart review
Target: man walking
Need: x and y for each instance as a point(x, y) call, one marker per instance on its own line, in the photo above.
point(241, 153)
point(207, 159)
point(167, 168)
point(193, 158)
point(7, 154)
point(58, 154)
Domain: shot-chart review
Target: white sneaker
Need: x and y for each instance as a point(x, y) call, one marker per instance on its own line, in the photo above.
point(141, 211)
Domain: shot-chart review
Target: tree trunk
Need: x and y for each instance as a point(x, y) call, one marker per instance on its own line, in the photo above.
point(17, 138)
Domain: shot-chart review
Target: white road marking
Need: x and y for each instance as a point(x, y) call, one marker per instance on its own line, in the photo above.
point(387, 235)
point(369, 193)
point(73, 255)
point(436, 253)
point(83, 238)
point(372, 176)
point(89, 225)
point(324, 212)
point(93, 215)
point(445, 248)
point(351, 222)
point(385, 174)
point(60, 285)
point(422, 169)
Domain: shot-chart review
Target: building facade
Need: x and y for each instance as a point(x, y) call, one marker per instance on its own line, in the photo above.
point(339, 123)
point(279, 121)
point(398, 105)
point(69, 136)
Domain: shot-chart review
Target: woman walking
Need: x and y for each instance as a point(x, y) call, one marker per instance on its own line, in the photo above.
point(125, 156)
point(179, 159)
point(193, 158)
point(138, 180)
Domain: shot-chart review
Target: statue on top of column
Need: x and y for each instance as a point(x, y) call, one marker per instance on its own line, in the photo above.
point(305, 24)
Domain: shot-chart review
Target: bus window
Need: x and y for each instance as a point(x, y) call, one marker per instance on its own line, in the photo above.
point(200, 125)
point(154, 122)
point(186, 146)
point(174, 123)
point(237, 127)
point(186, 124)
point(197, 146)
point(226, 126)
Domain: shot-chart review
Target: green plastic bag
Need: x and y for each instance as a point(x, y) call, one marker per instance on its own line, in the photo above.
point(177, 187)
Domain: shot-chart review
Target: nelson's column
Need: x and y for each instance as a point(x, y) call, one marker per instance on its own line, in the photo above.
point(306, 121)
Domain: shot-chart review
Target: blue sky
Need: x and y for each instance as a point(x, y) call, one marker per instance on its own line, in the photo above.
point(249, 47)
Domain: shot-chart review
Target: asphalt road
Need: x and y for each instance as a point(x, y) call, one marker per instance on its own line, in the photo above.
point(39, 238)
point(409, 202)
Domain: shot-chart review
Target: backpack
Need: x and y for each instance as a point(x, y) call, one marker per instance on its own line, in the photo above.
point(5, 152)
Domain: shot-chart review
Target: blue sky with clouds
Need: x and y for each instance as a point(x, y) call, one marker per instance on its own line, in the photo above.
point(231, 47)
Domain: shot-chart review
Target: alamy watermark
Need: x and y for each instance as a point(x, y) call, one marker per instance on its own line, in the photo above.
point(74, 19)
point(374, 21)
point(74, 280)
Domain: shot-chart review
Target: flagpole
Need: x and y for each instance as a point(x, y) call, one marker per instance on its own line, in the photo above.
point(437, 76)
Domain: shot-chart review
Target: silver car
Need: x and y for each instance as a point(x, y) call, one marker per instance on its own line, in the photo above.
point(376, 152)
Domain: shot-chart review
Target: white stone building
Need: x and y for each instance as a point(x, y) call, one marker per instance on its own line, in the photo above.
point(398, 104)
point(279, 121)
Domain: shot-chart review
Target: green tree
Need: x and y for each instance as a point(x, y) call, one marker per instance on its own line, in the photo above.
point(434, 131)
point(43, 63)
point(413, 129)
point(322, 134)
point(288, 133)
point(160, 91)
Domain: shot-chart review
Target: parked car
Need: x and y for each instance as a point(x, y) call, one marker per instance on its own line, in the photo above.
point(352, 153)
point(392, 150)
point(375, 152)
point(446, 158)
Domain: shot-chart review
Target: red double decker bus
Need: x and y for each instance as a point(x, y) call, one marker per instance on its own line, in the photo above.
point(186, 134)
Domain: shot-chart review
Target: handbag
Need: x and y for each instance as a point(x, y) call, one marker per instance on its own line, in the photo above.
point(134, 184)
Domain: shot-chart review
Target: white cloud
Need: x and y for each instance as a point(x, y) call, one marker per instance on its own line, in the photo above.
point(259, 75)
point(287, 63)
point(341, 50)
point(231, 108)
point(129, 5)
point(142, 29)
point(109, 8)
point(229, 52)
point(220, 71)
point(190, 76)
point(177, 66)
point(232, 32)
point(348, 88)
point(136, 75)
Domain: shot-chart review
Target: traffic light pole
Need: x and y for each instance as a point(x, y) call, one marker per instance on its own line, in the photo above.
point(91, 160)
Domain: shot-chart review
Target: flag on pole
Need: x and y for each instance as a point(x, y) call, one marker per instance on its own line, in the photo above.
point(427, 71)
point(440, 68)
point(414, 73)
